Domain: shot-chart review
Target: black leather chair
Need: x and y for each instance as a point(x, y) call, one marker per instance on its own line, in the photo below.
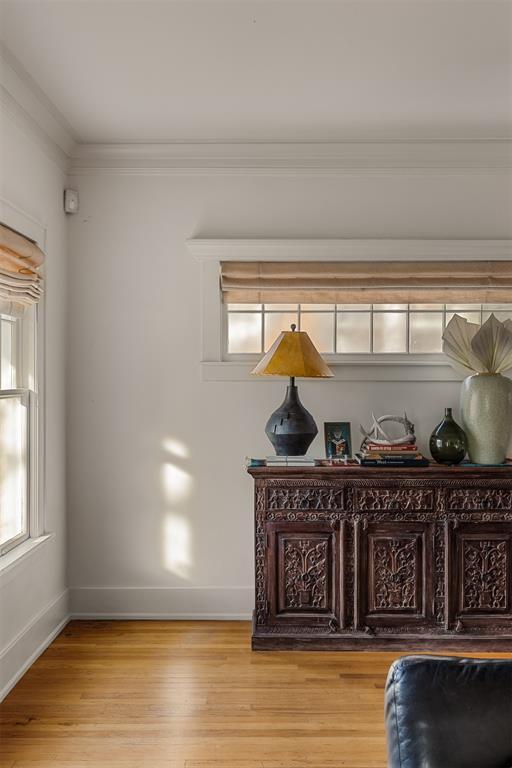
point(444, 712)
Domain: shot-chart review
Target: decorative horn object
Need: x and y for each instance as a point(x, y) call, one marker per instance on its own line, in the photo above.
point(376, 434)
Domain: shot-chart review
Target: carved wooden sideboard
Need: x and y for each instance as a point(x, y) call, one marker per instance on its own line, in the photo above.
point(353, 558)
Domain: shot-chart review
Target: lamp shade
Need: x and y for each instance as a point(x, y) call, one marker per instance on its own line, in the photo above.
point(293, 354)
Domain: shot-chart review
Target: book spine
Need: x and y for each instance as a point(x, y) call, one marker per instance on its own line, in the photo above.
point(391, 456)
point(396, 448)
point(395, 463)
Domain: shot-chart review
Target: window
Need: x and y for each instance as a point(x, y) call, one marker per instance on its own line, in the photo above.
point(337, 285)
point(338, 329)
point(18, 401)
point(20, 290)
point(358, 307)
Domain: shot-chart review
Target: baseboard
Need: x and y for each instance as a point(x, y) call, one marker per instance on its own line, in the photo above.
point(194, 603)
point(30, 643)
point(111, 603)
point(138, 616)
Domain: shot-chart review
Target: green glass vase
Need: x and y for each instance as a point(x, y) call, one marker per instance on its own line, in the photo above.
point(448, 441)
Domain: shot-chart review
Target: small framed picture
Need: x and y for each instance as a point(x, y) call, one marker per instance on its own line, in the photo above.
point(338, 442)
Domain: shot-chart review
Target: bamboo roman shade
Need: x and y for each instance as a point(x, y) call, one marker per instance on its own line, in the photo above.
point(21, 262)
point(364, 282)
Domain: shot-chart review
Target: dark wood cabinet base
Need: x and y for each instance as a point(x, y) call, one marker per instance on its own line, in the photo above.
point(367, 559)
point(362, 642)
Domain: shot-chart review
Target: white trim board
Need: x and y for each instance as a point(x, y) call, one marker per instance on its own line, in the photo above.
point(19, 655)
point(117, 603)
point(348, 249)
point(15, 557)
point(161, 602)
point(396, 370)
point(295, 158)
point(138, 616)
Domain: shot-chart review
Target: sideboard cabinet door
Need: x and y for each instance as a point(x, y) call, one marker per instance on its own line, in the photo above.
point(394, 578)
point(304, 572)
point(481, 572)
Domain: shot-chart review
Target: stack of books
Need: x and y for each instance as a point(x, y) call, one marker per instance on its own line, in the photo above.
point(389, 455)
point(289, 461)
point(281, 461)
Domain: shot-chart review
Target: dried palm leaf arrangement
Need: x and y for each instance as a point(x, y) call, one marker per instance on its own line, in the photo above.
point(485, 353)
point(479, 349)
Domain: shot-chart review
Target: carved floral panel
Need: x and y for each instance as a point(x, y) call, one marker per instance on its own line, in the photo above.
point(485, 574)
point(305, 573)
point(396, 570)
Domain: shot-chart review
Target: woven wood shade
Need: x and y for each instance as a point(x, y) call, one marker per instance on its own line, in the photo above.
point(20, 272)
point(366, 282)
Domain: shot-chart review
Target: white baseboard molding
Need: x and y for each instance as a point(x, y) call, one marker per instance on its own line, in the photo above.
point(160, 616)
point(194, 603)
point(30, 643)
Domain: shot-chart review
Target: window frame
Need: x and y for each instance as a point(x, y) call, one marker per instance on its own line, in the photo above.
point(24, 396)
point(408, 310)
point(30, 398)
point(30, 357)
point(375, 367)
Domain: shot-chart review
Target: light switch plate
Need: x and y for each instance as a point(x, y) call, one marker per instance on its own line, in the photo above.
point(70, 201)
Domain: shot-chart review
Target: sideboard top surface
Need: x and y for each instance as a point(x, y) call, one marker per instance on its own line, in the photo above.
point(351, 472)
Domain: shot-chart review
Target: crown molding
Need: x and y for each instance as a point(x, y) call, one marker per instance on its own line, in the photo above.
point(24, 102)
point(338, 249)
point(12, 111)
point(296, 159)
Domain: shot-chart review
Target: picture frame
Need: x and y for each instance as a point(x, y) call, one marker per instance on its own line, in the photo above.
point(338, 439)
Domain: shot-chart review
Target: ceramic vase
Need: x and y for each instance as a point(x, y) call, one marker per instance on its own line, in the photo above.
point(448, 441)
point(486, 415)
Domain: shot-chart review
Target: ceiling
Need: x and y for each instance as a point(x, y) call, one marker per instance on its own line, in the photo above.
point(268, 71)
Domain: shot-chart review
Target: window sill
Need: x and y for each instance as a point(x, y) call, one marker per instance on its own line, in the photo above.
point(365, 370)
point(20, 553)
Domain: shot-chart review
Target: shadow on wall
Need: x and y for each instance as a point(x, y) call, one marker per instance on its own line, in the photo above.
point(176, 487)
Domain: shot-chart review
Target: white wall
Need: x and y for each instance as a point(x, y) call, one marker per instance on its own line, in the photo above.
point(152, 532)
point(33, 598)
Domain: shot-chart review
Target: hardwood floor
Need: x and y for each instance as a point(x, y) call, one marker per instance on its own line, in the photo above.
point(192, 695)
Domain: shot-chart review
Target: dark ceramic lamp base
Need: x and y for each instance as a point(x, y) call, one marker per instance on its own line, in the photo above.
point(291, 429)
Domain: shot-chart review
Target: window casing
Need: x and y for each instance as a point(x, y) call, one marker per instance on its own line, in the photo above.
point(217, 365)
point(18, 429)
point(339, 330)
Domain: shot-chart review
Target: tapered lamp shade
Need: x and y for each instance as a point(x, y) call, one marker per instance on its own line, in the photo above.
point(292, 354)
point(291, 429)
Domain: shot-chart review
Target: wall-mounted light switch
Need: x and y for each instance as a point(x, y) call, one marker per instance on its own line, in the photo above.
point(70, 201)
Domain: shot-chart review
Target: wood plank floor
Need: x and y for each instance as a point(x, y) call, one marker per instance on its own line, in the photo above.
point(131, 694)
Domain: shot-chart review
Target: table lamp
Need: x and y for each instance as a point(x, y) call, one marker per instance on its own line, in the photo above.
point(291, 429)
